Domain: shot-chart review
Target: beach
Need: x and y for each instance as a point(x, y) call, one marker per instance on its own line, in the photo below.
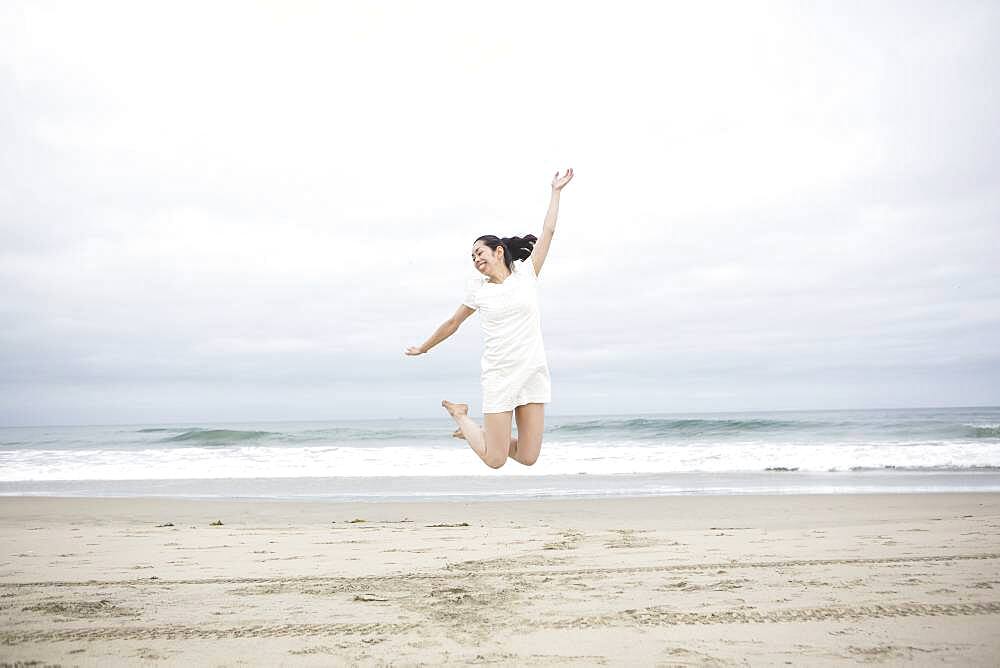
point(671, 580)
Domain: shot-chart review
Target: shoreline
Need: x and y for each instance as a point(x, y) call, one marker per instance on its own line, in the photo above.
point(813, 578)
point(520, 486)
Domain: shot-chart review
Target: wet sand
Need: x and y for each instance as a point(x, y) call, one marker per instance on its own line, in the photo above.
point(764, 580)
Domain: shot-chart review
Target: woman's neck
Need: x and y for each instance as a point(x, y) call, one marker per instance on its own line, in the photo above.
point(502, 278)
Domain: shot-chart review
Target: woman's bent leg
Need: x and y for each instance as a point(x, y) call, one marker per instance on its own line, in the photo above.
point(497, 428)
point(491, 442)
point(530, 425)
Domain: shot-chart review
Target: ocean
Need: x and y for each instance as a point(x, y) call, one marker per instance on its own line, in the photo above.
point(786, 452)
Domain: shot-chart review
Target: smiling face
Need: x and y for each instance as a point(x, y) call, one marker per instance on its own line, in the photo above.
point(486, 260)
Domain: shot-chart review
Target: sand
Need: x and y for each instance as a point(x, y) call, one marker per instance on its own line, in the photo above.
point(758, 580)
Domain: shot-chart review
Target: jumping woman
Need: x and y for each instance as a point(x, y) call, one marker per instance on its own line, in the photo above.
point(515, 372)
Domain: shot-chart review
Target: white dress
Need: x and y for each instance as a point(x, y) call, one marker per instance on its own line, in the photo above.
point(514, 368)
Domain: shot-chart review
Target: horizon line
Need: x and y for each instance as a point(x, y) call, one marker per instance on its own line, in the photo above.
point(560, 415)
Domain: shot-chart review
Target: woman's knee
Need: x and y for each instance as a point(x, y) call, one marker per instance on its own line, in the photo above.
point(529, 455)
point(496, 427)
point(528, 449)
point(496, 451)
point(495, 462)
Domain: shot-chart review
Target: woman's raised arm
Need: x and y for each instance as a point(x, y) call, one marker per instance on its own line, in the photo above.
point(541, 248)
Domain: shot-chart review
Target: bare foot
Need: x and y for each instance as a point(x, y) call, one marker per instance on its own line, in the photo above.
point(458, 434)
point(455, 409)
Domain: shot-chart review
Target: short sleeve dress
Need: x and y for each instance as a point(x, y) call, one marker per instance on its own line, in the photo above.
point(514, 367)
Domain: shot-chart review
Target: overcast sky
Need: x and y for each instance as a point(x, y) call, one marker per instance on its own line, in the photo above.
point(247, 211)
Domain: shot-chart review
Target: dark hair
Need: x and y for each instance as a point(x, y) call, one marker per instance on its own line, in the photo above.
point(515, 248)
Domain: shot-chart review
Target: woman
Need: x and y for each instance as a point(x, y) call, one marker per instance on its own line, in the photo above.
point(515, 373)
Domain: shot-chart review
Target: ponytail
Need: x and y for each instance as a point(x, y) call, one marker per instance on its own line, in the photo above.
point(515, 248)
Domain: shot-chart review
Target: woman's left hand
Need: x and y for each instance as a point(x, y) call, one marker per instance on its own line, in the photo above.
point(559, 182)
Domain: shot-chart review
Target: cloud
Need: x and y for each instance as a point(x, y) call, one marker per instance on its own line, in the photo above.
point(796, 206)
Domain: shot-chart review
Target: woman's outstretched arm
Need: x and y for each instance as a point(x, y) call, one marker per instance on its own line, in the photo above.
point(549, 226)
point(446, 329)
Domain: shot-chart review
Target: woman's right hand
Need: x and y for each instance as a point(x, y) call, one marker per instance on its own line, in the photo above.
point(414, 350)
